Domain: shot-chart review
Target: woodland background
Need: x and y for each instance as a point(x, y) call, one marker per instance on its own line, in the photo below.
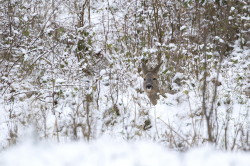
point(72, 69)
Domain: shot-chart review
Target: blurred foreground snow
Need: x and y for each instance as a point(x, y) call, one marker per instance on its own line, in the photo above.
point(108, 152)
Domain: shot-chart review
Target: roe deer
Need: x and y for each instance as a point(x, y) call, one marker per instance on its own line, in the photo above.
point(151, 84)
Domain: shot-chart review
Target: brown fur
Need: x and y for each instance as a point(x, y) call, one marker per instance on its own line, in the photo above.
point(151, 83)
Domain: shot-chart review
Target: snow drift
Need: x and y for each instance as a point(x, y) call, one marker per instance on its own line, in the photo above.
point(108, 152)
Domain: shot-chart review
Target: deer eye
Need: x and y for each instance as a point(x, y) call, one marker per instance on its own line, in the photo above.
point(144, 79)
point(154, 78)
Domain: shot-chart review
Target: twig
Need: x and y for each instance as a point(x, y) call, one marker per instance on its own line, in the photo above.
point(175, 131)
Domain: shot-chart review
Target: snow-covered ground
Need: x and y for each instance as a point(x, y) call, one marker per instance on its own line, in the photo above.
point(112, 152)
point(79, 79)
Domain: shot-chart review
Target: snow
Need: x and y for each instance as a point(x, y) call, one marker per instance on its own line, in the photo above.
point(232, 9)
point(108, 151)
point(245, 18)
point(219, 39)
point(177, 122)
point(183, 27)
point(59, 80)
point(230, 18)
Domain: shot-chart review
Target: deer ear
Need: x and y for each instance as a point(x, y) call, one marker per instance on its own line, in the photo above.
point(156, 69)
point(144, 68)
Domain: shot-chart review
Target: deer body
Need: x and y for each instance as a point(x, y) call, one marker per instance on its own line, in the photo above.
point(151, 83)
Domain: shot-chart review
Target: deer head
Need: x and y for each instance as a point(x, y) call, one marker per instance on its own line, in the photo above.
point(151, 83)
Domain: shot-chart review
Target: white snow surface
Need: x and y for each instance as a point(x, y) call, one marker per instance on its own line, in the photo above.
point(112, 152)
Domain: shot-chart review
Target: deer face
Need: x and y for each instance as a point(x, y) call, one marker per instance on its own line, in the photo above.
point(151, 84)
